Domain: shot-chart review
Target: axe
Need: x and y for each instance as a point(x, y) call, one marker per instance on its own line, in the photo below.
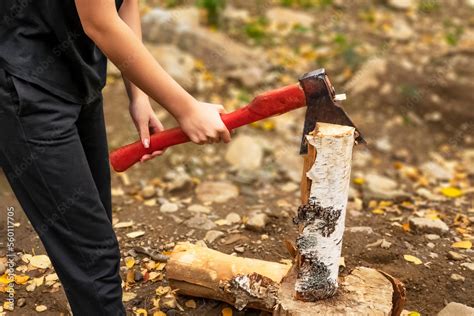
point(314, 91)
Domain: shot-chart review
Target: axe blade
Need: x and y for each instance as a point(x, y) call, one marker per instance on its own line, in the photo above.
point(321, 106)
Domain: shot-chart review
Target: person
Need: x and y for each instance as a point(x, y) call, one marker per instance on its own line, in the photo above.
point(53, 146)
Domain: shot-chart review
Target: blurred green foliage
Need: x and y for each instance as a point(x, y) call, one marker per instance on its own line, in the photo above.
point(214, 10)
point(428, 6)
point(257, 29)
point(452, 33)
point(306, 3)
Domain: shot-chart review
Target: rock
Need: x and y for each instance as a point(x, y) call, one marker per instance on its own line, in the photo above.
point(245, 153)
point(383, 144)
point(468, 160)
point(401, 4)
point(432, 236)
point(468, 265)
point(216, 192)
point(169, 208)
point(200, 222)
point(177, 180)
point(435, 171)
point(360, 229)
point(455, 256)
point(425, 193)
point(136, 234)
point(148, 192)
point(290, 187)
point(212, 235)
point(456, 309)
point(217, 50)
point(233, 218)
point(239, 249)
point(368, 77)
point(400, 30)
point(257, 221)
point(128, 296)
point(3, 268)
point(289, 162)
point(427, 225)
point(381, 187)
point(177, 63)
point(21, 302)
point(430, 245)
point(281, 17)
point(41, 308)
point(249, 77)
point(457, 277)
point(197, 208)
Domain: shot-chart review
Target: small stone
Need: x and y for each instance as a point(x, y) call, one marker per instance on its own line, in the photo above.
point(148, 192)
point(41, 308)
point(468, 265)
point(436, 171)
point(216, 192)
point(427, 194)
point(3, 268)
point(385, 244)
point(427, 225)
point(245, 153)
point(290, 187)
point(169, 208)
point(200, 222)
point(136, 234)
point(196, 208)
point(381, 187)
point(233, 218)
point(455, 256)
point(257, 221)
point(360, 229)
point(430, 245)
point(457, 277)
point(239, 249)
point(401, 4)
point(401, 30)
point(21, 302)
point(456, 309)
point(432, 237)
point(213, 235)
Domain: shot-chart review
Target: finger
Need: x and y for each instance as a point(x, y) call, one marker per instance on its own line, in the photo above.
point(157, 153)
point(145, 158)
point(225, 135)
point(144, 134)
point(220, 108)
point(155, 125)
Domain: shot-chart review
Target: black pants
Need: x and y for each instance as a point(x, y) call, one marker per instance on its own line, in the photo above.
point(54, 154)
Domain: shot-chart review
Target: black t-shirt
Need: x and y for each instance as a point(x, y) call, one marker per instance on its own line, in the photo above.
point(43, 42)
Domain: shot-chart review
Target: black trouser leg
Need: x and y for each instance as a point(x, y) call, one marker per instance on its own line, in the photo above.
point(58, 181)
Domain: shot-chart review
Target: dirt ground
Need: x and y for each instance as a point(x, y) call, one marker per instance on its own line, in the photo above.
point(407, 120)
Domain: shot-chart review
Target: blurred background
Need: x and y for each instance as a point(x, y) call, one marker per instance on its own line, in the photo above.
point(407, 69)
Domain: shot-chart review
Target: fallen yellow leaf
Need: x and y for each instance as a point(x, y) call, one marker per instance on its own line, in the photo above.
point(227, 311)
point(406, 227)
point(414, 313)
point(465, 244)
point(141, 312)
point(378, 211)
point(451, 192)
point(359, 181)
point(21, 279)
point(159, 313)
point(4, 279)
point(161, 290)
point(412, 259)
point(129, 262)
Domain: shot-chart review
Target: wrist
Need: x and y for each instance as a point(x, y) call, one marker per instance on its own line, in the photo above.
point(139, 100)
point(185, 109)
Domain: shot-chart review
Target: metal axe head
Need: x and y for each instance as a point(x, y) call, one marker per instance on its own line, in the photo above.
point(321, 106)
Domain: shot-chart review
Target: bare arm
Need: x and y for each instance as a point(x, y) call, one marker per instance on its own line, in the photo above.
point(129, 13)
point(101, 22)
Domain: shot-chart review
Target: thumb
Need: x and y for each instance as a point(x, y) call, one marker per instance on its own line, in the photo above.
point(144, 133)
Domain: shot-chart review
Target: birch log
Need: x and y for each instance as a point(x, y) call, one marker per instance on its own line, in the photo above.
point(321, 217)
point(242, 282)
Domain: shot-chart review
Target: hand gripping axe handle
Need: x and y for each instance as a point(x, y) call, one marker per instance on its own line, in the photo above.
point(313, 91)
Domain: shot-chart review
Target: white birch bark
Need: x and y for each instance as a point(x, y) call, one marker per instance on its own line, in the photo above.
point(322, 219)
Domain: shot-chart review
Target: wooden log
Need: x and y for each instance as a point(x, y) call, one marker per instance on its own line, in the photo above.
point(324, 194)
point(242, 282)
point(269, 286)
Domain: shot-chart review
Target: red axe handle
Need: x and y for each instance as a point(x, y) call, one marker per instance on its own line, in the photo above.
point(271, 103)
